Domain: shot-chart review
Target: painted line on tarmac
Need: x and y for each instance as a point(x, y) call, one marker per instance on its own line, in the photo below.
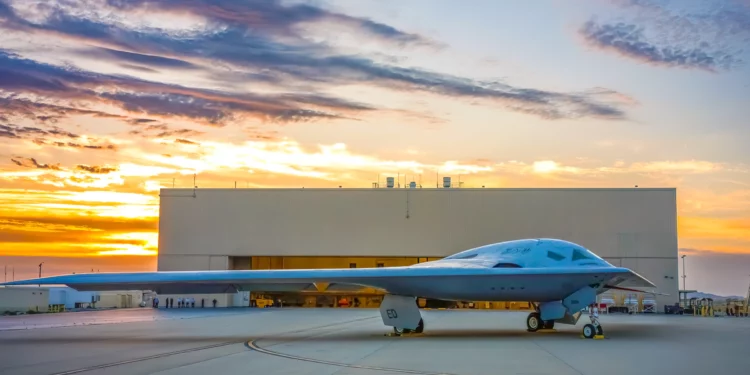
point(141, 359)
point(253, 346)
point(212, 346)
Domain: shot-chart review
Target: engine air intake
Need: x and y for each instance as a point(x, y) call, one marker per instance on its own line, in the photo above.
point(506, 265)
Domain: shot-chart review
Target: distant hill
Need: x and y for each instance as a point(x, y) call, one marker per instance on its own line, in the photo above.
point(712, 296)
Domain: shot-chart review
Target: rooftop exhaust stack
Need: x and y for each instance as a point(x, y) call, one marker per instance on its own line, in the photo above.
point(389, 182)
point(446, 182)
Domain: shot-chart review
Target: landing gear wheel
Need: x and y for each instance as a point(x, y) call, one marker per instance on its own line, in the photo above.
point(548, 324)
point(420, 327)
point(533, 322)
point(401, 331)
point(589, 331)
point(599, 331)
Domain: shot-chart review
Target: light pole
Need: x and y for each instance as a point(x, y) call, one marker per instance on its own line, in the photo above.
point(40, 271)
point(684, 276)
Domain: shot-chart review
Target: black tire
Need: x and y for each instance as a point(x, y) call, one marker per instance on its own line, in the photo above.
point(549, 324)
point(533, 322)
point(599, 330)
point(420, 327)
point(401, 331)
point(589, 331)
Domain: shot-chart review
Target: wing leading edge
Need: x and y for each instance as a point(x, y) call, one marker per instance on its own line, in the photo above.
point(392, 279)
point(629, 281)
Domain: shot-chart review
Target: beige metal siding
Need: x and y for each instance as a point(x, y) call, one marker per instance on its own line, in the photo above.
point(636, 224)
point(23, 299)
point(611, 222)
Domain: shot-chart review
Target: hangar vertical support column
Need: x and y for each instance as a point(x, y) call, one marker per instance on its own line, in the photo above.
point(401, 313)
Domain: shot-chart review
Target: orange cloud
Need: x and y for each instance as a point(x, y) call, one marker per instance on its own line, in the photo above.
point(722, 235)
point(76, 209)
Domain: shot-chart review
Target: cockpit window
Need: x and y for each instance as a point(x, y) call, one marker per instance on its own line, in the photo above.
point(468, 256)
point(578, 255)
point(555, 256)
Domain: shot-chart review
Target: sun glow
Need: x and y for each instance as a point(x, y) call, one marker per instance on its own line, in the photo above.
point(545, 166)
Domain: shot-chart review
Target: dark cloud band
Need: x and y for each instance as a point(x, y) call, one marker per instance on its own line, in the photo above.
point(246, 36)
point(629, 40)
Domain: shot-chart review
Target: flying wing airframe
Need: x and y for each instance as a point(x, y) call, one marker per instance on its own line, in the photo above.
point(559, 278)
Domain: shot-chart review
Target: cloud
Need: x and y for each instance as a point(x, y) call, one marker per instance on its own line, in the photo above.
point(666, 167)
point(270, 16)
point(186, 142)
point(264, 44)
point(15, 107)
point(705, 35)
point(734, 203)
point(136, 58)
point(14, 131)
point(291, 159)
point(31, 162)
point(140, 96)
point(731, 235)
point(75, 145)
point(96, 169)
point(163, 131)
point(629, 40)
point(77, 236)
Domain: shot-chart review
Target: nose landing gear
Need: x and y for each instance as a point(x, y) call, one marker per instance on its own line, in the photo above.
point(593, 330)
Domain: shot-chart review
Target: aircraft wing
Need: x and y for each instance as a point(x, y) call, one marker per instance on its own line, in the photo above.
point(396, 280)
point(629, 281)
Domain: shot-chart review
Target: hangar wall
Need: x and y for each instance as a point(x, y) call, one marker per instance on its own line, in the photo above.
point(207, 228)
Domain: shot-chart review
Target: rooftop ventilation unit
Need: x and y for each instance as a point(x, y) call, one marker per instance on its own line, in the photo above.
point(446, 182)
point(389, 182)
point(412, 185)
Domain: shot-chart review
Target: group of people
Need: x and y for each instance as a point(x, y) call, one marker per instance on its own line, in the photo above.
point(181, 302)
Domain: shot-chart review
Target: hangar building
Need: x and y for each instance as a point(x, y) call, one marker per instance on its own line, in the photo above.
point(220, 229)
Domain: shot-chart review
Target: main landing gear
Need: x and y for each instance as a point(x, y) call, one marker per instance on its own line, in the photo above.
point(591, 330)
point(534, 323)
point(401, 313)
point(403, 331)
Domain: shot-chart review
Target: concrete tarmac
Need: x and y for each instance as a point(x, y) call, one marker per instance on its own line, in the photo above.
point(353, 341)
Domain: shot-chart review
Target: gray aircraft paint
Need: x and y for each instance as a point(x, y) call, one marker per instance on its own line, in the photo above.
point(548, 270)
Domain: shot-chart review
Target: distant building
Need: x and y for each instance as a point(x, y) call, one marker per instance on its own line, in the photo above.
point(24, 298)
point(235, 229)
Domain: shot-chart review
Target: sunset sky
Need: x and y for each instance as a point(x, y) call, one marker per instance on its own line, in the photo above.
point(103, 102)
